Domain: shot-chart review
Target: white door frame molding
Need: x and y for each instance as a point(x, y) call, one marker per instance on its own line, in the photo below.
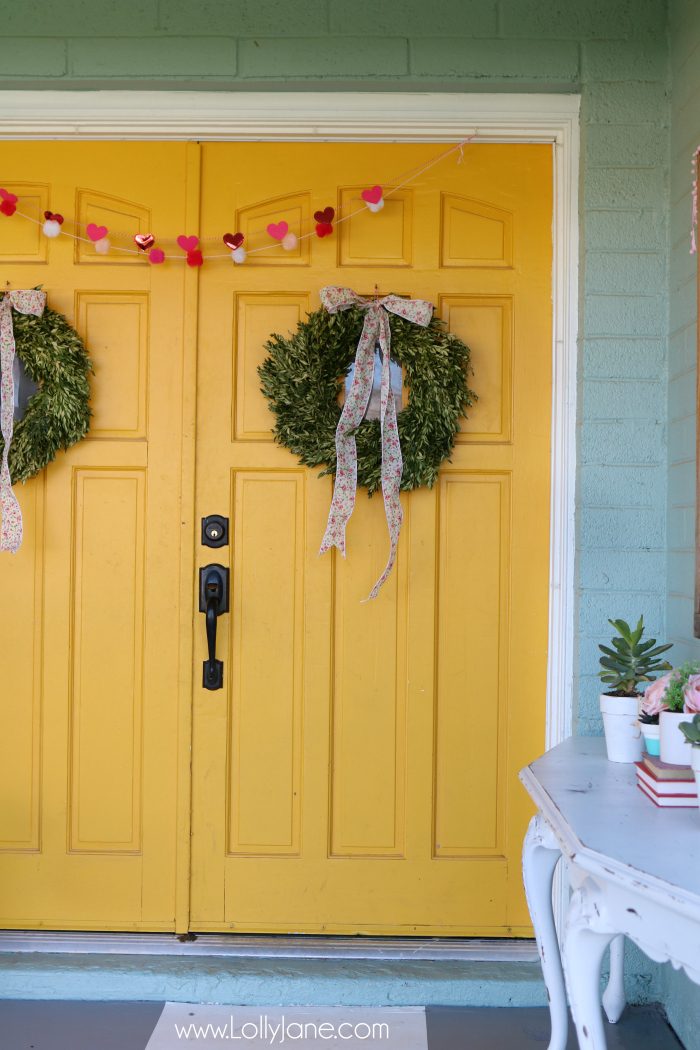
point(396, 117)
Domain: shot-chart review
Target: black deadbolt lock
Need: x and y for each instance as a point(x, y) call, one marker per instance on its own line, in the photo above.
point(214, 531)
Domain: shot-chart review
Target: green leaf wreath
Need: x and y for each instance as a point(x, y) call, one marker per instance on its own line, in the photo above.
point(304, 374)
point(58, 413)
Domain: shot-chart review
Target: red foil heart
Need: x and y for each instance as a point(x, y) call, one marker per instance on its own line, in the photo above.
point(233, 240)
point(326, 216)
point(144, 241)
point(53, 216)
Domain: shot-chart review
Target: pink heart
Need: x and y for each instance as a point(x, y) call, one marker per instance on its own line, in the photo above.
point(188, 244)
point(96, 233)
point(157, 255)
point(278, 230)
point(374, 195)
point(7, 196)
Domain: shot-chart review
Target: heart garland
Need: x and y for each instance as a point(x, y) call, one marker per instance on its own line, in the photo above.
point(372, 198)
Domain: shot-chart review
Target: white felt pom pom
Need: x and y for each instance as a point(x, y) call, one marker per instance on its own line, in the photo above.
point(376, 207)
point(102, 246)
point(51, 228)
point(239, 255)
point(289, 242)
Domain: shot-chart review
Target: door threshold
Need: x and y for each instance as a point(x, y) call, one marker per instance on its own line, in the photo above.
point(250, 946)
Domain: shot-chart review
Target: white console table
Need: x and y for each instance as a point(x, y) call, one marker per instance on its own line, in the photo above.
point(634, 871)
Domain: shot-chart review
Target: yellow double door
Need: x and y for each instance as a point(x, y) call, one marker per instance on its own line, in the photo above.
point(357, 772)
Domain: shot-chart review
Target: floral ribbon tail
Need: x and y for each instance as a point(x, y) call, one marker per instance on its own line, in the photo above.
point(355, 406)
point(392, 460)
point(376, 329)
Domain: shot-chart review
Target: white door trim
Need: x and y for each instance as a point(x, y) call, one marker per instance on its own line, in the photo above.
point(399, 117)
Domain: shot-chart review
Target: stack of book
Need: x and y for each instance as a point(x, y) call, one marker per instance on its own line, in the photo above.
point(666, 785)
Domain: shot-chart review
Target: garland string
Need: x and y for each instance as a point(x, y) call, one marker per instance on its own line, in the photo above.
point(402, 180)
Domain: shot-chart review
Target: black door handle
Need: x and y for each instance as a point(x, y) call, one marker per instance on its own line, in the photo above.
point(213, 601)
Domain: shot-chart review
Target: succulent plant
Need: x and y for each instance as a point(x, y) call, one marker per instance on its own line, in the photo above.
point(631, 661)
point(692, 731)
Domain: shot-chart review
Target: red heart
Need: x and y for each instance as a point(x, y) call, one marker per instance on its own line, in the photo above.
point(194, 257)
point(7, 207)
point(144, 241)
point(326, 216)
point(7, 196)
point(96, 233)
point(54, 217)
point(373, 196)
point(157, 255)
point(323, 229)
point(278, 230)
point(188, 244)
point(233, 240)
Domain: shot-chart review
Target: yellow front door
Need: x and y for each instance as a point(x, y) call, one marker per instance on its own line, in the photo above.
point(358, 771)
point(90, 627)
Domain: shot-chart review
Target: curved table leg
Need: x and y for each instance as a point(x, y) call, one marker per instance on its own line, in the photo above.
point(540, 856)
point(614, 1001)
point(584, 947)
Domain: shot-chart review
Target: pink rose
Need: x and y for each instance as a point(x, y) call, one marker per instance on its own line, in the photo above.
point(654, 696)
point(692, 693)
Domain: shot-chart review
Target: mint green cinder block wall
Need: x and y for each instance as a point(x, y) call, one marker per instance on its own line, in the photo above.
point(616, 54)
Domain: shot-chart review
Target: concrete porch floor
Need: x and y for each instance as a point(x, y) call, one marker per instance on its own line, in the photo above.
point(61, 1025)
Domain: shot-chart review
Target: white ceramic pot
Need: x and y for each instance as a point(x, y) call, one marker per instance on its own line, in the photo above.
point(651, 734)
point(695, 763)
point(623, 736)
point(674, 748)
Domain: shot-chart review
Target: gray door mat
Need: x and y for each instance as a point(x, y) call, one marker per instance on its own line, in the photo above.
point(60, 1025)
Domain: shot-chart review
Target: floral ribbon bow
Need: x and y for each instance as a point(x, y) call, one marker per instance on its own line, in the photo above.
point(29, 301)
point(376, 329)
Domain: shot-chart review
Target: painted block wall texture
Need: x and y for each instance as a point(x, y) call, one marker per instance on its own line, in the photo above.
point(518, 44)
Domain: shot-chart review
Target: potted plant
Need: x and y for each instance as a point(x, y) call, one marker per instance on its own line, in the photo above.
point(625, 666)
point(652, 705)
point(682, 695)
point(691, 732)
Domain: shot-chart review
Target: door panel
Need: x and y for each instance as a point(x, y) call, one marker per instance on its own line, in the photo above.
point(89, 622)
point(358, 771)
